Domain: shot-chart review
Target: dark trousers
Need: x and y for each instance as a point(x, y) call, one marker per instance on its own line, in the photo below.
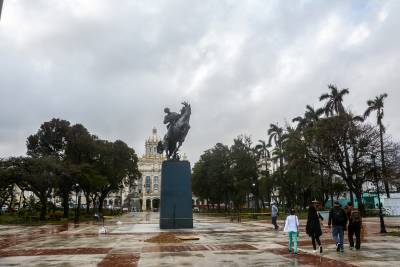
point(354, 229)
point(274, 222)
point(314, 238)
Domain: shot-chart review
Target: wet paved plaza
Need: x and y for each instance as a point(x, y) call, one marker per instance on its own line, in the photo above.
point(220, 243)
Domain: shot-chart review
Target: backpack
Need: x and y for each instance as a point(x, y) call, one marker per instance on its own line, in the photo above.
point(338, 216)
point(355, 216)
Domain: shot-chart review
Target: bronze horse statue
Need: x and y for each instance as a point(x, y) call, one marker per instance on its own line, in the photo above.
point(178, 127)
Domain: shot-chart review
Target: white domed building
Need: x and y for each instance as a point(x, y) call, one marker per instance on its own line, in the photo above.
point(149, 164)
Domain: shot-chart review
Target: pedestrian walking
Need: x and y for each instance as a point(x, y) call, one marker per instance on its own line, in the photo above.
point(274, 215)
point(292, 228)
point(354, 226)
point(338, 220)
point(313, 227)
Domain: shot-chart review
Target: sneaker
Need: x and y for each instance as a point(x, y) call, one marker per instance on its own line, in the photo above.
point(320, 249)
point(314, 251)
point(295, 253)
point(351, 248)
point(289, 250)
point(337, 247)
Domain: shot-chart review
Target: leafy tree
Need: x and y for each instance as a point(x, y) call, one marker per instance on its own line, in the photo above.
point(301, 180)
point(348, 146)
point(80, 157)
point(306, 124)
point(50, 139)
point(377, 105)
point(244, 170)
point(7, 183)
point(201, 182)
point(118, 164)
point(211, 175)
point(37, 175)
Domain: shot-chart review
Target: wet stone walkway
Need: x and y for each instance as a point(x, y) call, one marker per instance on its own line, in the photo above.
point(220, 243)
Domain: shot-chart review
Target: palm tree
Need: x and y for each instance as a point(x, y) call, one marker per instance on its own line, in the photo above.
point(334, 100)
point(311, 116)
point(262, 149)
point(263, 156)
point(277, 135)
point(377, 105)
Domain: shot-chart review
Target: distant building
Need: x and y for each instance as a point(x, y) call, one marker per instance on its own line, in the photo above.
point(149, 185)
point(143, 194)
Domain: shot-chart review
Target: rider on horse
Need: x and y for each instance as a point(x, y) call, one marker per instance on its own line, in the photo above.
point(170, 118)
point(177, 128)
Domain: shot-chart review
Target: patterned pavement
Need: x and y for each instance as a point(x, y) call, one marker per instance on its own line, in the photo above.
point(220, 243)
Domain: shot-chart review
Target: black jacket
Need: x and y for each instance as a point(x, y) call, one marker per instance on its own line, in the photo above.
point(337, 217)
point(313, 227)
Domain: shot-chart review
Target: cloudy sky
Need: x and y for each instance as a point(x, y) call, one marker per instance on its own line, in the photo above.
point(114, 65)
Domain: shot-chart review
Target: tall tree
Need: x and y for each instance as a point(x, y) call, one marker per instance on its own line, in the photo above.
point(348, 146)
point(301, 184)
point(118, 164)
point(244, 170)
point(334, 100)
point(305, 124)
point(38, 175)
point(262, 150)
point(7, 182)
point(377, 105)
point(277, 135)
point(50, 139)
point(80, 157)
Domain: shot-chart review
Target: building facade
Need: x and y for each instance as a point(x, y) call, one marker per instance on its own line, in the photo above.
point(145, 193)
point(149, 164)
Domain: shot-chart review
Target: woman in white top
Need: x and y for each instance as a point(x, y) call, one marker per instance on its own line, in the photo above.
point(292, 228)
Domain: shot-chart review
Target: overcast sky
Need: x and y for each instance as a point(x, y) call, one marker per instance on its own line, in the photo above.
point(114, 65)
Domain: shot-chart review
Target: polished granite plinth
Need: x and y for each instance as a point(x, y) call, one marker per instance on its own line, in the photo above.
point(176, 195)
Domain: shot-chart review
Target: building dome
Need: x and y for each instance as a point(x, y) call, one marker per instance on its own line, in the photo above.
point(151, 145)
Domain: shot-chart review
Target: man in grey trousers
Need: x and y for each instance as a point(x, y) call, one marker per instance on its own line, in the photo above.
point(274, 215)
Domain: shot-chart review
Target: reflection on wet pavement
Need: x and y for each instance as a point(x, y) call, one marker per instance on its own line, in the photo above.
point(220, 243)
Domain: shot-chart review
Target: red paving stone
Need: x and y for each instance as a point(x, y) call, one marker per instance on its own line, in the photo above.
point(310, 259)
point(14, 240)
point(53, 251)
point(131, 259)
point(10, 240)
point(196, 247)
point(120, 260)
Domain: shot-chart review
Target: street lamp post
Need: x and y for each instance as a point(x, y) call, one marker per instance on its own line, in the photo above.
point(383, 228)
point(254, 199)
point(76, 203)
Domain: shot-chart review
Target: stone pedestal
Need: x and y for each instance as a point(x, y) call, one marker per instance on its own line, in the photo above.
point(176, 195)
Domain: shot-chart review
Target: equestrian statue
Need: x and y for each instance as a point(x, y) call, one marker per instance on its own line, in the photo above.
point(177, 129)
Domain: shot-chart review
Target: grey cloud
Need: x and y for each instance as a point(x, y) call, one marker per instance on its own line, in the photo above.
point(114, 66)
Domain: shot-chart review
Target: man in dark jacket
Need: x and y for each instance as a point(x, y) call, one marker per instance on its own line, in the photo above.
point(338, 220)
point(354, 227)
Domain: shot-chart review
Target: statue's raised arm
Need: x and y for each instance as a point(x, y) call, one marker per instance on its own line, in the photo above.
point(177, 129)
